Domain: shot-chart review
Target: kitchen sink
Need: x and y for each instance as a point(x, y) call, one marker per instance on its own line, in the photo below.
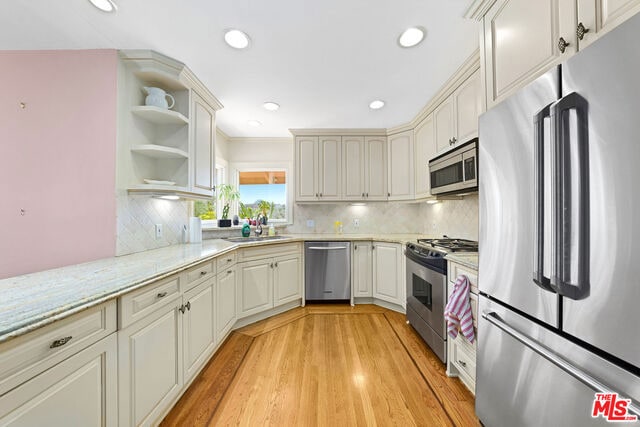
point(253, 239)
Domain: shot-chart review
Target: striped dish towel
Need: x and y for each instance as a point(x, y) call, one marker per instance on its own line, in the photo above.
point(458, 310)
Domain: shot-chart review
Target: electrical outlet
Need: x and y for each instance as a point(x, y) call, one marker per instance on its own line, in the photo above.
point(158, 231)
point(356, 222)
point(311, 223)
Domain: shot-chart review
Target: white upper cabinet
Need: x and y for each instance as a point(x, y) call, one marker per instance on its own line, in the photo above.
point(522, 40)
point(400, 170)
point(375, 168)
point(468, 106)
point(596, 17)
point(353, 156)
point(203, 144)
point(425, 148)
point(306, 163)
point(444, 125)
point(456, 119)
point(330, 150)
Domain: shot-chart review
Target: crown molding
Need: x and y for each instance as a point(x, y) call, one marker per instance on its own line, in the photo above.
point(260, 140)
point(478, 8)
point(338, 132)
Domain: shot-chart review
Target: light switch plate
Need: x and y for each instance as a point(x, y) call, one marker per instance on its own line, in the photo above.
point(356, 222)
point(158, 231)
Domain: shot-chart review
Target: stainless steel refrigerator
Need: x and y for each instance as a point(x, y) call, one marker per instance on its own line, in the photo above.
point(559, 273)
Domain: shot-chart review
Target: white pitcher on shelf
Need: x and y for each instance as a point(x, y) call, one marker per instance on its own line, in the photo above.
point(157, 97)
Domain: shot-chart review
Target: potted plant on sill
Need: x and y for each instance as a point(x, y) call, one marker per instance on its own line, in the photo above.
point(246, 212)
point(226, 194)
point(266, 209)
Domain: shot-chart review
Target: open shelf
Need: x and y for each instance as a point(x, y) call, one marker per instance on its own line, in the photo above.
point(160, 151)
point(159, 116)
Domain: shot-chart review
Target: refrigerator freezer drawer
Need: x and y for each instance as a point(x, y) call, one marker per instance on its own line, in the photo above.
point(518, 386)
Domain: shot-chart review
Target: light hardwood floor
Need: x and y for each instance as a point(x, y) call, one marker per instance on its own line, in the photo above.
point(333, 365)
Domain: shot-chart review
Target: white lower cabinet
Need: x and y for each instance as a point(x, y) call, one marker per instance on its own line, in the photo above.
point(79, 391)
point(267, 283)
point(388, 272)
point(255, 287)
point(198, 327)
point(150, 365)
point(286, 280)
point(362, 274)
point(225, 302)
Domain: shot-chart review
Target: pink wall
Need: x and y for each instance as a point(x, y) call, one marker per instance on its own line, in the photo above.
point(57, 158)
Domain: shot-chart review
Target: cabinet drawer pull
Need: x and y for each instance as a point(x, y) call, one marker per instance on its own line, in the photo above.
point(229, 259)
point(581, 31)
point(229, 271)
point(60, 342)
point(162, 294)
point(562, 44)
point(463, 364)
point(202, 273)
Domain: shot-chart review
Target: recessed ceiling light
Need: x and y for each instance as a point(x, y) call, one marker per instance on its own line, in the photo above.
point(376, 105)
point(411, 37)
point(104, 5)
point(271, 106)
point(254, 123)
point(236, 39)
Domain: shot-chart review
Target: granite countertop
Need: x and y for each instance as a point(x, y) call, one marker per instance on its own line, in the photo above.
point(468, 259)
point(34, 300)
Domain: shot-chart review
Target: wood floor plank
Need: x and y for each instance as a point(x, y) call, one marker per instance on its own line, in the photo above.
point(330, 370)
point(272, 323)
point(453, 395)
point(199, 402)
point(328, 365)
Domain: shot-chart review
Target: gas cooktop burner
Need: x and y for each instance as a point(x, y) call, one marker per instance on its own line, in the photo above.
point(452, 245)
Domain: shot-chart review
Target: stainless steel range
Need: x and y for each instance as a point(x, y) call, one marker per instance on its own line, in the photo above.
point(427, 288)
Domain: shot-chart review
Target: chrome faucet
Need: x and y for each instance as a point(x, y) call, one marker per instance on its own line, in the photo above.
point(258, 230)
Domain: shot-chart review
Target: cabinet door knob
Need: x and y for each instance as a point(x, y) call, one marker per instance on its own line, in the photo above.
point(162, 294)
point(464, 365)
point(562, 44)
point(316, 194)
point(454, 140)
point(182, 309)
point(271, 265)
point(320, 194)
point(60, 342)
point(581, 31)
point(188, 305)
point(367, 194)
point(388, 194)
point(276, 265)
point(362, 194)
point(355, 247)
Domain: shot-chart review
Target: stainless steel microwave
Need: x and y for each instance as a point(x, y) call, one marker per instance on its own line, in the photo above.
point(455, 171)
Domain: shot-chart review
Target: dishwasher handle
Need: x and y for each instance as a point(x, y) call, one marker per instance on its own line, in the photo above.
point(326, 248)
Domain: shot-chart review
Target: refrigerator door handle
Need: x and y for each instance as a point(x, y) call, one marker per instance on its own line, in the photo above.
point(552, 357)
point(538, 189)
point(570, 266)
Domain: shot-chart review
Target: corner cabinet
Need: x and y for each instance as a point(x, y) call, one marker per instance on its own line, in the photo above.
point(164, 150)
point(523, 39)
point(401, 178)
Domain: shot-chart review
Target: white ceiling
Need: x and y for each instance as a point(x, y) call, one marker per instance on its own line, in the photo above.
point(323, 61)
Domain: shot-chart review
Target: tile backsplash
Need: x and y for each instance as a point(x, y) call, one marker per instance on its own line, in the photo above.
point(383, 218)
point(455, 218)
point(136, 219)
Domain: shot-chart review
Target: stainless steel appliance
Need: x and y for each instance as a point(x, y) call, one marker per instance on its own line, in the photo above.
point(559, 236)
point(327, 271)
point(455, 171)
point(427, 288)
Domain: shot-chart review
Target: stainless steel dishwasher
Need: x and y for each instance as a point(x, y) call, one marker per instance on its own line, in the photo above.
point(327, 271)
